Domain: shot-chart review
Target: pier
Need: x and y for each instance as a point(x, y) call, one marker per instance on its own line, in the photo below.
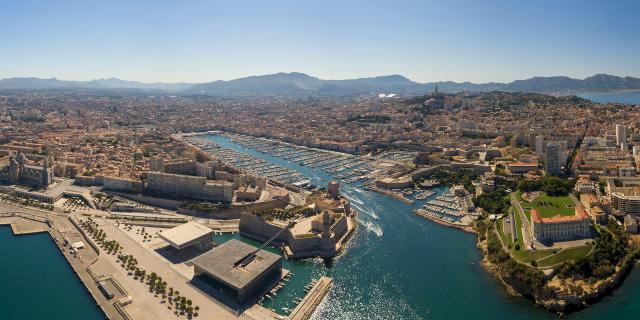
point(310, 302)
point(23, 225)
point(390, 193)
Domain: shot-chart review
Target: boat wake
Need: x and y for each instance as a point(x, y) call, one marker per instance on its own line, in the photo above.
point(367, 212)
point(372, 227)
point(355, 200)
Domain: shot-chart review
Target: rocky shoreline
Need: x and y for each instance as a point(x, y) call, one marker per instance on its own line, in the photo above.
point(563, 303)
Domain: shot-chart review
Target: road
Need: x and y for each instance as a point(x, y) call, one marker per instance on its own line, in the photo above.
point(526, 226)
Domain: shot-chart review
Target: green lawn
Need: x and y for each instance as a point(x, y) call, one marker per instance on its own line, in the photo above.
point(549, 206)
point(564, 255)
point(506, 238)
point(540, 254)
point(520, 255)
point(523, 255)
point(544, 258)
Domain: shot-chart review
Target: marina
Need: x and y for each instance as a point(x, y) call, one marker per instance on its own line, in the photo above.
point(368, 280)
point(345, 167)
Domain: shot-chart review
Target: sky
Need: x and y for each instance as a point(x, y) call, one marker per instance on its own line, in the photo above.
point(202, 41)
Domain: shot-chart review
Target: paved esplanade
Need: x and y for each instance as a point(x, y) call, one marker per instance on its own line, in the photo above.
point(209, 308)
point(145, 305)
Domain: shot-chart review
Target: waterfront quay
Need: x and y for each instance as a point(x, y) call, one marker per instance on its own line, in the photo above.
point(25, 221)
point(121, 296)
point(119, 291)
point(307, 306)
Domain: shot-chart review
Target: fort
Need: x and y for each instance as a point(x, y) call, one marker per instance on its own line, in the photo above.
point(322, 234)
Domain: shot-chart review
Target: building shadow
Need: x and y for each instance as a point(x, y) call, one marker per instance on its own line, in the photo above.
point(201, 283)
point(177, 256)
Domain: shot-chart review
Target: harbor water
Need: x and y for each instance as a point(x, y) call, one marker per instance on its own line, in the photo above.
point(401, 266)
point(37, 283)
point(619, 97)
point(396, 266)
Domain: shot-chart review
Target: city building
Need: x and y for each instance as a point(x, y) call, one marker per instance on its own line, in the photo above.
point(190, 234)
point(223, 269)
point(621, 134)
point(248, 193)
point(539, 144)
point(189, 187)
point(522, 167)
point(552, 164)
point(584, 185)
point(31, 170)
point(395, 183)
point(561, 228)
point(626, 200)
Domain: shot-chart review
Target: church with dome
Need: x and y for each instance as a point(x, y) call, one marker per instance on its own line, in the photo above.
point(29, 170)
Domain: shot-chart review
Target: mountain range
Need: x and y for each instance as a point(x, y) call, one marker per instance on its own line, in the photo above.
point(300, 84)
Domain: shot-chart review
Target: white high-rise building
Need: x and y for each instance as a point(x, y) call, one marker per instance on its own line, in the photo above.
point(539, 144)
point(552, 159)
point(621, 134)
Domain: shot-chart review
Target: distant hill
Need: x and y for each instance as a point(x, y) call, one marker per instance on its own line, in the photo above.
point(38, 83)
point(300, 84)
point(296, 83)
point(111, 83)
point(126, 84)
point(596, 83)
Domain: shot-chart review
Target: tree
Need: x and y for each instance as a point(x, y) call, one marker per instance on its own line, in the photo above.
point(496, 202)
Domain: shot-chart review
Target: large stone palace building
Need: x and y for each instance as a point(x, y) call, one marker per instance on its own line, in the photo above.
point(561, 228)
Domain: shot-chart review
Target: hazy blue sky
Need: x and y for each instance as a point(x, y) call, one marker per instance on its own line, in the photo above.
point(197, 41)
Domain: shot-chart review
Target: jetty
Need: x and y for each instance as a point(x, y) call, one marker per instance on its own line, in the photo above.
point(390, 193)
point(310, 302)
point(24, 224)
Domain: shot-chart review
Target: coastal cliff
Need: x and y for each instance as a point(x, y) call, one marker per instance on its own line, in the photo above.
point(553, 292)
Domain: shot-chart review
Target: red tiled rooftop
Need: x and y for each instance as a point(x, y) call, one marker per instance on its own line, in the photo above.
point(522, 164)
point(580, 214)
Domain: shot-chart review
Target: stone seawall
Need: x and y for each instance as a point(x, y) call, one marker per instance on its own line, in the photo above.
point(257, 228)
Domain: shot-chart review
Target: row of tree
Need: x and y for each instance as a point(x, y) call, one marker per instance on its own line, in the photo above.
point(155, 283)
point(551, 185)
